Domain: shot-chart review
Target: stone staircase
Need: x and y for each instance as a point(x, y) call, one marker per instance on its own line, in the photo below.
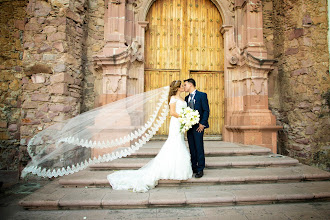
point(234, 175)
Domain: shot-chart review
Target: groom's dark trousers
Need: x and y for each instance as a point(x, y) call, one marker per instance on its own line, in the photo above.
point(195, 138)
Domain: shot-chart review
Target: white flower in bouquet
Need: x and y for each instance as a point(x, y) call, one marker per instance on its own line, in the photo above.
point(188, 118)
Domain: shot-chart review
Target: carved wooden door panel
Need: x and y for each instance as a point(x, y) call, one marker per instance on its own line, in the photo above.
point(183, 40)
point(212, 84)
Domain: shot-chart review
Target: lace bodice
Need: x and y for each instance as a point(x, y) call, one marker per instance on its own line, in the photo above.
point(180, 104)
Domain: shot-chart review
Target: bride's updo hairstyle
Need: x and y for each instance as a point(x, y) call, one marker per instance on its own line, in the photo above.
point(174, 87)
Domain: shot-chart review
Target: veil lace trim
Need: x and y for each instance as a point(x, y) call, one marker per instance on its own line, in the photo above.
point(141, 136)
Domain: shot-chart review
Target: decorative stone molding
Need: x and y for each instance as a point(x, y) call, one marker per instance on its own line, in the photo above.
point(254, 6)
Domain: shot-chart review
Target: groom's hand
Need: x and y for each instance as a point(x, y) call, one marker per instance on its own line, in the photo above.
point(200, 128)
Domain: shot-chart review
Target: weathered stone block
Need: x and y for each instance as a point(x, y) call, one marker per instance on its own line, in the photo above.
point(61, 28)
point(299, 72)
point(39, 38)
point(75, 94)
point(56, 21)
point(309, 130)
point(303, 141)
point(298, 32)
point(42, 8)
point(44, 108)
point(291, 51)
point(59, 46)
point(44, 48)
point(62, 78)
point(4, 86)
point(14, 85)
point(32, 26)
point(40, 97)
point(36, 78)
point(48, 57)
point(40, 115)
point(320, 19)
point(12, 127)
point(19, 24)
point(49, 29)
point(46, 120)
point(61, 67)
point(3, 124)
point(31, 86)
point(56, 36)
point(59, 88)
point(60, 108)
point(41, 20)
point(26, 130)
point(29, 104)
point(60, 118)
point(316, 109)
point(4, 136)
point(304, 105)
point(307, 21)
point(60, 3)
point(297, 147)
point(74, 16)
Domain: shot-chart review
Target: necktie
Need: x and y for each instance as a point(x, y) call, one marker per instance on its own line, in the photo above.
point(191, 102)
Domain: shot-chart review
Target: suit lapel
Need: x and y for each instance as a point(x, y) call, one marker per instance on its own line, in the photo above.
point(196, 97)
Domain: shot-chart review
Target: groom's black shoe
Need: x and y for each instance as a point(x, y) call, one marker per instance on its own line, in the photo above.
point(199, 174)
point(195, 171)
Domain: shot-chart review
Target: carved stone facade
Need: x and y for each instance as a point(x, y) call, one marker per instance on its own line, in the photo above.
point(75, 55)
point(247, 118)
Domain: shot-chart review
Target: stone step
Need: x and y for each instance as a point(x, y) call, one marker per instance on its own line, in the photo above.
point(210, 162)
point(212, 176)
point(53, 196)
point(206, 138)
point(211, 148)
point(282, 211)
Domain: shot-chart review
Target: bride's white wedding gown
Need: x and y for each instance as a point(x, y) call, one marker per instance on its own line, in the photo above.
point(172, 162)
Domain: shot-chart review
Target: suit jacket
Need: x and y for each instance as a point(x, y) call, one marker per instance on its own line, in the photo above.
point(202, 106)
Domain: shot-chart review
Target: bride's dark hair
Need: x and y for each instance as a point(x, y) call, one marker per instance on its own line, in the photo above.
point(174, 87)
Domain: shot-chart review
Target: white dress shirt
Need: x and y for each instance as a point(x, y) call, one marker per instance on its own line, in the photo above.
point(194, 93)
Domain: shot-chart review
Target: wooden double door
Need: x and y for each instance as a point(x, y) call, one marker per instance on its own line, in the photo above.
point(183, 41)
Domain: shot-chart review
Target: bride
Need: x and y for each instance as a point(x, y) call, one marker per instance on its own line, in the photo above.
point(172, 161)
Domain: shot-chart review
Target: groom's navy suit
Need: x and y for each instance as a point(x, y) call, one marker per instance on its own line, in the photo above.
point(195, 138)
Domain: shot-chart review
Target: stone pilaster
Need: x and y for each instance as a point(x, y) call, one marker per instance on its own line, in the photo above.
point(120, 60)
point(248, 119)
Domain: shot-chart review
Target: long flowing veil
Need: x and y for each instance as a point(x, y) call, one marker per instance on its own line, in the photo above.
point(103, 134)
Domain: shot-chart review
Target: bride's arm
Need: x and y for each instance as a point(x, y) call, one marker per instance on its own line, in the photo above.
point(172, 110)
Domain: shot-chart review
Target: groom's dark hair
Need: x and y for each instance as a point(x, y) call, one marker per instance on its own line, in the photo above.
point(191, 80)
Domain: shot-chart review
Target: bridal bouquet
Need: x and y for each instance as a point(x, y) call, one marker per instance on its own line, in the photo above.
point(188, 118)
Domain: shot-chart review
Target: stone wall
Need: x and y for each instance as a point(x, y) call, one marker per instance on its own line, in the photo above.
point(48, 73)
point(298, 30)
point(54, 63)
point(12, 19)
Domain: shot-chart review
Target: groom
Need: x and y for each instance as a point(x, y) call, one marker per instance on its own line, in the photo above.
point(197, 100)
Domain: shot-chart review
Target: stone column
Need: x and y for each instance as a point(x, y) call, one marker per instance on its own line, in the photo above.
point(124, 42)
point(249, 121)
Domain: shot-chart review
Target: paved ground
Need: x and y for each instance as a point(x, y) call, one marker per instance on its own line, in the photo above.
point(9, 209)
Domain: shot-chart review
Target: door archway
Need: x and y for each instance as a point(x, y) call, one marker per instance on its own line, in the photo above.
point(183, 40)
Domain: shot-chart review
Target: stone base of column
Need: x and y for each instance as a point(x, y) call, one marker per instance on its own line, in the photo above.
point(253, 128)
point(120, 129)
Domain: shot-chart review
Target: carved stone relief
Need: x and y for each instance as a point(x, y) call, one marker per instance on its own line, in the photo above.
point(257, 86)
point(255, 6)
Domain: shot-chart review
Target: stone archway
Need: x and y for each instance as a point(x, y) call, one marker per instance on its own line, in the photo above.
point(247, 117)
